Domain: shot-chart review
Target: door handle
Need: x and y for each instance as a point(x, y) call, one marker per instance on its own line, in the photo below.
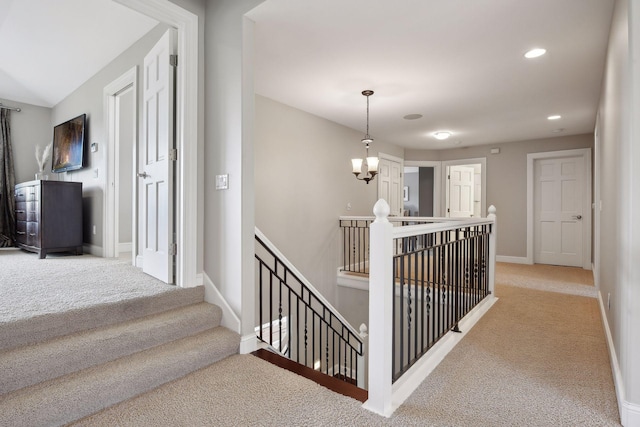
point(577, 217)
point(143, 175)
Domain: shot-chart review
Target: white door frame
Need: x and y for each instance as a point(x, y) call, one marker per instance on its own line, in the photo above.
point(483, 177)
point(437, 176)
point(112, 188)
point(187, 185)
point(585, 153)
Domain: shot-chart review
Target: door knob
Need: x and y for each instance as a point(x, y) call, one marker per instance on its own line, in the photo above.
point(577, 217)
point(143, 175)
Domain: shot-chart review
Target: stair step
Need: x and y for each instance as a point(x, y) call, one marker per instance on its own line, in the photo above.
point(82, 393)
point(46, 327)
point(30, 365)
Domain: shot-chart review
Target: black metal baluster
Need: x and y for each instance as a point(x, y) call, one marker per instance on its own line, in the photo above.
point(260, 301)
point(271, 309)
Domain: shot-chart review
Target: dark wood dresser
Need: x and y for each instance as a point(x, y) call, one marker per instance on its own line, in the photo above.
point(49, 216)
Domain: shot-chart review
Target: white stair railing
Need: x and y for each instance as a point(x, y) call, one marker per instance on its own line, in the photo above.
point(419, 292)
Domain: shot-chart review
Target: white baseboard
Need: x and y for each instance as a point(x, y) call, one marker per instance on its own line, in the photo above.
point(248, 344)
point(629, 412)
point(124, 247)
point(199, 279)
point(88, 248)
point(512, 259)
point(212, 295)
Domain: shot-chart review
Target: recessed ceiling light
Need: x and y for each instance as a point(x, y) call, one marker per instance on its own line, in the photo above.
point(534, 53)
point(554, 117)
point(412, 116)
point(442, 134)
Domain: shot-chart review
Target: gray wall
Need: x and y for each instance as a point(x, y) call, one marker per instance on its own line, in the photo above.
point(303, 183)
point(88, 98)
point(618, 199)
point(507, 181)
point(30, 127)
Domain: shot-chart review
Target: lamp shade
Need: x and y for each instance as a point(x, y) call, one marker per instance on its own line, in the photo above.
point(372, 164)
point(357, 165)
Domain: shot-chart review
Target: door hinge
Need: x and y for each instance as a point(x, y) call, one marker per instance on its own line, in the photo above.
point(173, 154)
point(448, 210)
point(448, 176)
point(173, 60)
point(173, 249)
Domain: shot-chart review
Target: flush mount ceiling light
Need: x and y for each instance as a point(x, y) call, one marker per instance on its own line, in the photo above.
point(370, 163)
point(535, 53)
point(554, 117)
point(441, 135)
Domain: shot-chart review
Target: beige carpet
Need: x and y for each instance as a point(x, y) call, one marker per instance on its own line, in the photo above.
point(32, 287)
point(537, 358)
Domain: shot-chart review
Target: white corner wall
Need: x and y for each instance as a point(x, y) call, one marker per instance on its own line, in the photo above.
point(617, 203)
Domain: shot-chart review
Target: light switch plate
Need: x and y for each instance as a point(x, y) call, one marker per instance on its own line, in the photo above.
point(222, 182)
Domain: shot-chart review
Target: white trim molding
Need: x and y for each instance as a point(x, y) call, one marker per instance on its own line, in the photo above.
point(112, 184)
point(629, 412)
point(461, 162)
point(585, 153)
point(187, 89)
point(230, 319)
point(512, 259)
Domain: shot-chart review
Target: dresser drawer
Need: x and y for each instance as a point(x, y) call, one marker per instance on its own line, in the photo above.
point(33, 210)
point(21, 211)
point(21, 194)
point(33, 234)
point(21, 232)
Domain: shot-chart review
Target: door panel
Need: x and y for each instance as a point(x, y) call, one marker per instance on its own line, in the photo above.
point(390, 184)
point(158, 170)
point(460, 191)
point(558, 200)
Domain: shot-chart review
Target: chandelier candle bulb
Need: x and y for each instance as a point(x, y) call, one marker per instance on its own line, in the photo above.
point(357, 165)
point(372, 164)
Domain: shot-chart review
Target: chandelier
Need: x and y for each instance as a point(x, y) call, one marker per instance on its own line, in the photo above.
point(368, 164)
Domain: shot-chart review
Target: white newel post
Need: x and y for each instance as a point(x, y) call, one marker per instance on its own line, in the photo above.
point(380, 311)
point(492, 249)
point(362, 367)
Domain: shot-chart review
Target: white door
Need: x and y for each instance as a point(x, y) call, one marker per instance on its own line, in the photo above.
point(558, 204)
point(156, 176)
point(390, 184)
point(460, 190)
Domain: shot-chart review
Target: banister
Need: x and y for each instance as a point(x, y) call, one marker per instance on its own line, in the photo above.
point(274, 250)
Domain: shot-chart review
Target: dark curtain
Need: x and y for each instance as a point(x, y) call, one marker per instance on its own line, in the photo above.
point(7, 183)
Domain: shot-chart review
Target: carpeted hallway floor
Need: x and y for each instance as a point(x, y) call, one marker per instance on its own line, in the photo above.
point(537, 358)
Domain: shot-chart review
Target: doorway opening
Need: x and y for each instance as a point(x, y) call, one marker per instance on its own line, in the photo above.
point(120, 101)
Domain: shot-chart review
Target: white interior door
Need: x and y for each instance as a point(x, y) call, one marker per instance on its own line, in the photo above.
point(558, 204)
point(156, 176)
point(390, 184)
point(460, 190)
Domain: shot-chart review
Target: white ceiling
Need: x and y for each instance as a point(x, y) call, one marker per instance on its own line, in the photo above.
point(459, 63)
point(49, 48)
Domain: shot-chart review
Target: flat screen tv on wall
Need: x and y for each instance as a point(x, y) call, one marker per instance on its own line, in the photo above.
point(68, 144)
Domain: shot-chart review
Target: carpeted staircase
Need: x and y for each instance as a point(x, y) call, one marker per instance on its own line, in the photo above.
point(61, 367)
